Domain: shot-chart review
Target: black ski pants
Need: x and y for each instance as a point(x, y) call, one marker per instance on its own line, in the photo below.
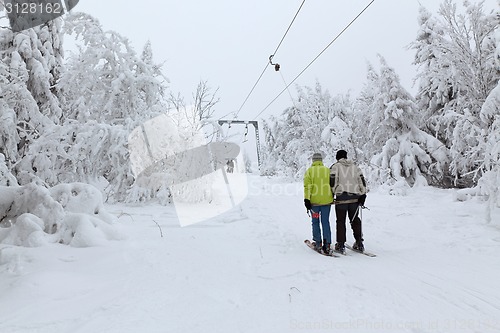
point(341, 211)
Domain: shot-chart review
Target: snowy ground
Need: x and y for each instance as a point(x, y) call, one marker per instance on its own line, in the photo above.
point(248, 270)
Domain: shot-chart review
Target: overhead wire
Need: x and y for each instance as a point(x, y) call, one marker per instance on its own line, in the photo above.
point(268, 63)
point(316, 58)
point(286, 87)
point(288, 29)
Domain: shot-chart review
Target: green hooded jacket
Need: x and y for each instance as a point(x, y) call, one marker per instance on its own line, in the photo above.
point(317, 184)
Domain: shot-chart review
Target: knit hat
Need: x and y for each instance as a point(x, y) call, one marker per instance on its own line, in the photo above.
point(341, 154)
point(317, 157)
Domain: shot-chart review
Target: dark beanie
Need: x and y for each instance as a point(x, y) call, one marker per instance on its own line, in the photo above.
point(341, 154)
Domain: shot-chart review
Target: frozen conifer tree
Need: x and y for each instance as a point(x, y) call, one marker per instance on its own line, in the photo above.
point(436, 82)
point(407, 153)
point(338, 133)
point(272, 152)
point(360, 115)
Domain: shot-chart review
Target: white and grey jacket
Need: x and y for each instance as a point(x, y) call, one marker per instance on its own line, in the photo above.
point(346, 177)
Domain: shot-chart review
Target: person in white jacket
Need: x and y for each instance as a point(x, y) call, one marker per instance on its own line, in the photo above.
point(349, 188)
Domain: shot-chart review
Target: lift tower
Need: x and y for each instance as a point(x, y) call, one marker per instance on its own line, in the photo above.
point(246, 123)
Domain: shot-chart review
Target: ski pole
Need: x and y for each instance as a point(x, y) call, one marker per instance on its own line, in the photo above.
point(356, 213)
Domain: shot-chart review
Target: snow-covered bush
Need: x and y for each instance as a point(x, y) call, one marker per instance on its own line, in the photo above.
point(91, 153)
point(72, 214)
point(154, 186)
point(32, 215)
point(32, 199)
point(403, 160)
point(81, 198)
point(397, 188)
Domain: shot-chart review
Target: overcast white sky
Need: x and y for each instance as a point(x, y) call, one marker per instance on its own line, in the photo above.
point(228, 43)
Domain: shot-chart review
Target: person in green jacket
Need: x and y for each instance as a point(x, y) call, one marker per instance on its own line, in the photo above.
point(318, 198)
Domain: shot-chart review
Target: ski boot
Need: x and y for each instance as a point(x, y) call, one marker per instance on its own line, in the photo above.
point(326, 248)
point(340, 248)
point(317, 246)
point(358, 246)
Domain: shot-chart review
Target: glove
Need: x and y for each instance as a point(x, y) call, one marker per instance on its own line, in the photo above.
point(362, 199)
point(307, 203)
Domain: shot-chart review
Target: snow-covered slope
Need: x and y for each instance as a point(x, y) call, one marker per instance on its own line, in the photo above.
point(249, 271)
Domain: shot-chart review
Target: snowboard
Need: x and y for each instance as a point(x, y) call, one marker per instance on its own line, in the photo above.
point(311, 246)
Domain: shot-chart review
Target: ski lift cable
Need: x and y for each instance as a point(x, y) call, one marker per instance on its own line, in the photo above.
point(289, 93)
point(316, 58)
point(270, 60)
point(288, 29)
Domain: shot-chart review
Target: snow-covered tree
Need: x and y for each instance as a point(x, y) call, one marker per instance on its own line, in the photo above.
point(400, 149)
point(30, 66)
point(436, 83)
point(198, 114)
point(9, 135)
point(360, 115)
point(41, 54)
point(273, 148)
point(106, 80)
point(106, 91)
point(489, 184)
point(316, 123)
point(456, 73)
